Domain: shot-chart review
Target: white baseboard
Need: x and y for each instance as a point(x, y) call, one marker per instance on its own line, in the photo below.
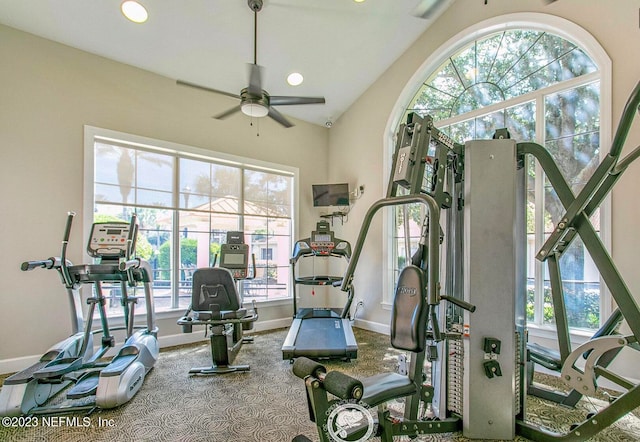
point(377, 327)
point(16, 364)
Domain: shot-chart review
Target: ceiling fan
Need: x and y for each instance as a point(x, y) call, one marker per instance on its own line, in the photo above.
point(255, 101)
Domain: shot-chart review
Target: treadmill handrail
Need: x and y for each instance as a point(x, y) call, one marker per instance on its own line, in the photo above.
point(433, 239)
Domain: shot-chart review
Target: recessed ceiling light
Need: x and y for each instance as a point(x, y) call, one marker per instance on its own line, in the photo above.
point(134, 11)
point(295, 78)
point(358, 1)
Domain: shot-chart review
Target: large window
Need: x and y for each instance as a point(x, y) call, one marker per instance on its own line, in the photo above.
point(186, 201)
point(543, 88)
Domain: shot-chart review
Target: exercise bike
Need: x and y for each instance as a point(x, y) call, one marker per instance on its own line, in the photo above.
point(72, 364)
point(217, 304)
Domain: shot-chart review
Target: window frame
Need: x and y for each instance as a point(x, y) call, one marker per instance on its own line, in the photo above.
point(92, 134)
point(533, 21)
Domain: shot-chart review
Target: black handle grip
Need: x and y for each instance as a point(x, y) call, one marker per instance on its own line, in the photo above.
point(131, 237)
point(30, 265)
point(459, 302)
point(67, 229)
point(130, 264)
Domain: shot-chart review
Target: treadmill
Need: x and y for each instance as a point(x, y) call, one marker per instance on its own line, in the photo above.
point(320, 333)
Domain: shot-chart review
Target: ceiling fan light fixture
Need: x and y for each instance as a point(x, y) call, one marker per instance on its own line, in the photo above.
point(295, 79)
point(255, 110)
point(134, 11)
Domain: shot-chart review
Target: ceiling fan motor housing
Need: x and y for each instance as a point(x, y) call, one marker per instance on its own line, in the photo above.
point(255, 5)
point(248, 97)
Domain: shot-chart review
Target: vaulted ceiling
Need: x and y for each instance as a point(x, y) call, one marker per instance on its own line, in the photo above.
point(340, 46)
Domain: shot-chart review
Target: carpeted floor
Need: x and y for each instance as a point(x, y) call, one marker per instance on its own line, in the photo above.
point(265, 404)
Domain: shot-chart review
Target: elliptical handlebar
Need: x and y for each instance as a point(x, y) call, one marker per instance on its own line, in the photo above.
point(130, 264)
point(44, 264)
point(64, 268)
point(253, 267)
point(133, 230)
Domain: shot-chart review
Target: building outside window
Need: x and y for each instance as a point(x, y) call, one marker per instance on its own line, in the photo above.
point(543, 88)
point(186, 200)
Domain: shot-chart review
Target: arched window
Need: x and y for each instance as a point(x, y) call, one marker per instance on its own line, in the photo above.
point(545, 83)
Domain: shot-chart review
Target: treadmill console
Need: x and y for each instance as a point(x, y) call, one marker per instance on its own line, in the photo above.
point(234, 255)
point(322, 243)
point(109, 240)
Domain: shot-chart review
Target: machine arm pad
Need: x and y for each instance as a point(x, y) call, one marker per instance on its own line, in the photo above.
point(343, 386)
point(303, 367)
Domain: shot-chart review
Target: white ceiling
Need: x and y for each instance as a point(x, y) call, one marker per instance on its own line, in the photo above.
point(341, 47)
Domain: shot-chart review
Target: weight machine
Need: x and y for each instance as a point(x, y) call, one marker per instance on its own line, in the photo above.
point(71, 365)
point(470, 367)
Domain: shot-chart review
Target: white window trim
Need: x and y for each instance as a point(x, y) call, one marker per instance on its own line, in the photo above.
point(92, 133)
point(527, 20)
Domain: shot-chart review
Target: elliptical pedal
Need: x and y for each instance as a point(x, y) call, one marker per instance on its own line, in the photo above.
point(24, 376)
point(58, 367)
point(86, 386)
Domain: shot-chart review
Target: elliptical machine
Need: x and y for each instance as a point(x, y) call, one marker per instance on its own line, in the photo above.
point(71, 364)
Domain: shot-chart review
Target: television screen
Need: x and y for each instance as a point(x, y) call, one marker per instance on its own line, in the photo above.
point(330, 195)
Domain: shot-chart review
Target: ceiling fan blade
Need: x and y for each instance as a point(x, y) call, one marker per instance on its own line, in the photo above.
point(283, 101)
point(227, 113)
point(426, 8)
point(255, 79)
point(204, 88)
point(273, 113)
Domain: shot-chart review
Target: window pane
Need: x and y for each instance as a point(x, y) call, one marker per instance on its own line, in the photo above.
point(521, 121)
point(154, 171)
point(573, 131)
point(267, 194)
point(107, 193)
point(486, 125)
point(116, 168)
point(225, 181)
point(581, 284)
point(154, 198)
point(271, 245)
point(205, 206)
point(195, 183)
point(504, 66)
point(109, 157)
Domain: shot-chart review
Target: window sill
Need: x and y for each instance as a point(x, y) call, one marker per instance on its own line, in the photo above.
point(577, 337)
point(176, 313)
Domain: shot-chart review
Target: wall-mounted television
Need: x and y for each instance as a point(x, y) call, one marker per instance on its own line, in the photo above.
point(330, 194)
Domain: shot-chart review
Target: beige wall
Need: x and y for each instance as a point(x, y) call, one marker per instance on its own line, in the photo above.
point(48, 92)
point(356, 139)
